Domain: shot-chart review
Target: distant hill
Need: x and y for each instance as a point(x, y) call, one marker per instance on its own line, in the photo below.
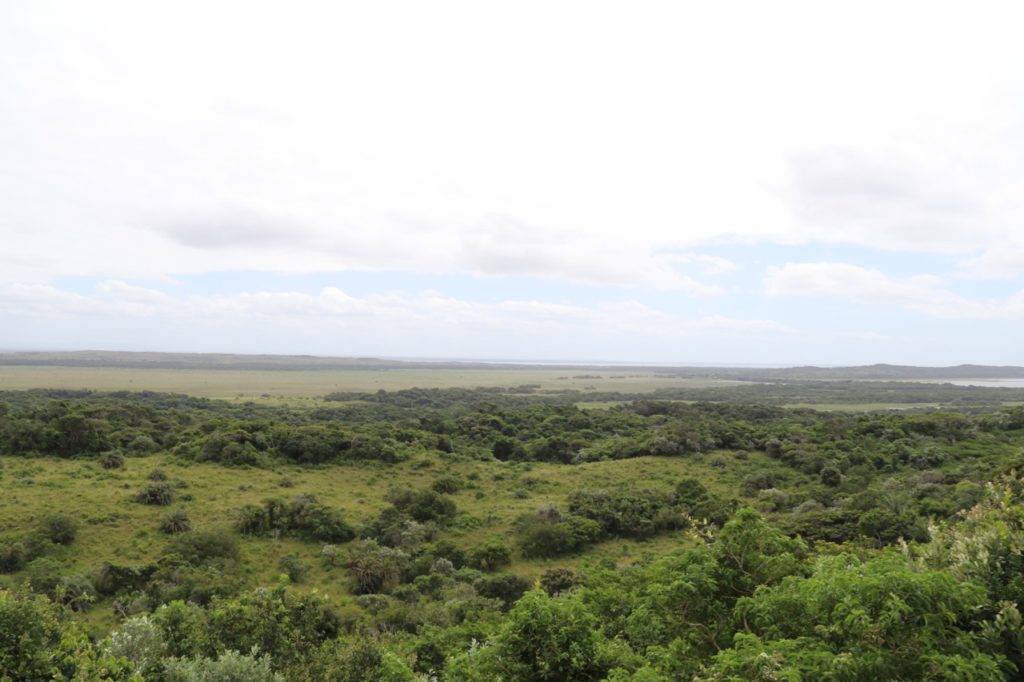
point(878, 372)
point(224, 361)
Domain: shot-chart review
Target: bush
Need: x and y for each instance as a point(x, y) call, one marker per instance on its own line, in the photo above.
point(544, 535)
point(317, 521)
point(558, 580)
point(175, 521)
point(111, 578)
point(76, 592)
point(506, 449)
point(294, 568)
point(754, 483)
point(489, 557)
point(303, 516)
point(634, 513)
point(157, 475)
point(44, 574)
point(112, 460)
point(140, 641)
point(12, 557)
point(142, 444)
point(231, 666)
point(508, 588)
point(375, 569)
point(423, 505)
point(447, 485)
point(59, 529)
point(160, 493)
point(831, 476)
point(199, 547)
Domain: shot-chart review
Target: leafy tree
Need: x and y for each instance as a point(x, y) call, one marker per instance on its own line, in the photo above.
point(230, 666)
point(879, 619)
point(543, 639)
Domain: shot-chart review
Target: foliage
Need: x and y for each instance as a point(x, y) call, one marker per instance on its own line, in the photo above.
point(175, 521)
point(59, 529)
point(230, 666)
point(158, 493)
point(304, 516)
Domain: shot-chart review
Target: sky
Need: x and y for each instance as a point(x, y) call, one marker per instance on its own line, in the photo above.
point(822, 182)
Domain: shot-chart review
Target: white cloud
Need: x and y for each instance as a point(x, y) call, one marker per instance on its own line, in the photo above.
point(410, 322)
point(923, 294)
point(1003, 262)
point(389, 136)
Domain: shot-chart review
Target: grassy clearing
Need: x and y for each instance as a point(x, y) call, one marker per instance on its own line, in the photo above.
point(861, 407)
point(298, 386)
point(114, 527)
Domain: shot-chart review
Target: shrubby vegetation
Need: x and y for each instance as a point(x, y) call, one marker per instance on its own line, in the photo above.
point(812, 545)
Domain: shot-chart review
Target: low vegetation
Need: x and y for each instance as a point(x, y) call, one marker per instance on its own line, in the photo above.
point(499, 535)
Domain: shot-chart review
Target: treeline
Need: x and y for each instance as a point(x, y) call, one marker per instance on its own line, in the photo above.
point(764, 391)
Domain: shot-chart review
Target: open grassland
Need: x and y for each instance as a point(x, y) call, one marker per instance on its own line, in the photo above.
point(117, 528)
point(299, 385)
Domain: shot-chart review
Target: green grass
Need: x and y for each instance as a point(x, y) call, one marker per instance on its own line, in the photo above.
point(861, 407)
point(119, 529)
point(298, 386)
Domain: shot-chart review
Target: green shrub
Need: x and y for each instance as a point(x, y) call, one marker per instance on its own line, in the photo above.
point(12, 557)
point(112, 459)
point(375, 569)
point(507, 588)
point(142, 445)
point(545, 534)
point(59, 529)
point(230, 666)
point(175, 521)
point(196, 547)
point(111, 578)
point(159, 493)
point(554, 581)
point(489, 557)
point(303, 516)
point(831, 476)
point(423, 505)
point(447, 485)
point(294, 568)
point(76, 592)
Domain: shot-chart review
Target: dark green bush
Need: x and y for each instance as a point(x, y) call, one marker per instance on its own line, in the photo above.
point(175, 521)
point(111, 579)
point(111, 459)
point(158, 493)
point(545, 535)
point(294, 568)
point(59, 529)
point(76, 592)
point(423, 505)
point(12, 557)
point(831, 476)
point(489, 557)
point(508, 588)
point(303, 516)
point(196, 547)
point(554, 581)
point(447, 485)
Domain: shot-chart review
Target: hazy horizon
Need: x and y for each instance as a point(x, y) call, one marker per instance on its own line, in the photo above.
point(789, 184)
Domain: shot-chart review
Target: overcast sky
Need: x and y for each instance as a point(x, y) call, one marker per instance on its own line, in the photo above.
point(730, 182)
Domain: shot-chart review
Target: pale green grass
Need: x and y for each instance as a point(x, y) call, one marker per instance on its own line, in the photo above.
point(860, 407)
point(291, 385)
point(118, 529)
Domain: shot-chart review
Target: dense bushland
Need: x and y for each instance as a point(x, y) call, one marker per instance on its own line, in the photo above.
point(814, 545)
